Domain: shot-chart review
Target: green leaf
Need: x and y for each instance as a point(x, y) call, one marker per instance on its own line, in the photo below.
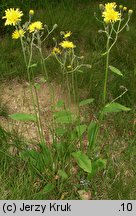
point(92, 133)
point(115, 70)
point(43, 80)
point(81, 129)
point(33, 65)
point(64, 117)
point(100, 164)
point(85, 102)
point(80, 71)
point(62, 174)
point(115, 107)
point(48, 188)
point(60, 131)
point(97, 165)
point(83, 161)
point(37, 86)
point(60, 103)
point(23, 117)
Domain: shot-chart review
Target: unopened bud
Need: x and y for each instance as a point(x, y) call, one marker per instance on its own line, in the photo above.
point(45, 26)
point(100, 31)
point(55, 26)
point(124, 8)
point(130, 12)
point(121, 7)
point(31, 12)
point(101, 6)
point(54, 39)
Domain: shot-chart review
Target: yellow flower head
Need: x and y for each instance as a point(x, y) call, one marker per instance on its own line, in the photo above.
point(67, 45)
point(111, 16)
point(31, 12)
point(18, 33)
point(67, 34)
point(12, 16)
point(35, 26)
point(110, 6)
point(56, 50)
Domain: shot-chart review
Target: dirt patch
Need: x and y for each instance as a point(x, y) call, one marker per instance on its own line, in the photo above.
point(17, 98)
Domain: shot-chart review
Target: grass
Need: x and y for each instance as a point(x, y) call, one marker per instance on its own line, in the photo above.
point(117, 141)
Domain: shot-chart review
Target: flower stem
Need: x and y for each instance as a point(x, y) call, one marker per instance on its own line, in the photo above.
point(106, 73)
point(31, 87)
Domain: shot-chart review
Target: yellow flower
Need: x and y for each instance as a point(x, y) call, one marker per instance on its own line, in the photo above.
point(12, 16)
point(67, 45)
point(31, 12)
point(56, 50)
point(110, 6)
point(68, 34)
point(111, 16)
point(18, 33)
point(124, 8)
point(35, 26)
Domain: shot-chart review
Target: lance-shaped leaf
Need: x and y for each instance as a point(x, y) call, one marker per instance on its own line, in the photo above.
point(23, 117)
point(62, 174)
point(92, 133)
point(115, 70)
point(115, 107)
point(86, 102)
point(81, 129)
point(83, 161)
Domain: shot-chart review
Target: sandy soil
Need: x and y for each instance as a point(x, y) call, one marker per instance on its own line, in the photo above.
point(17, 98)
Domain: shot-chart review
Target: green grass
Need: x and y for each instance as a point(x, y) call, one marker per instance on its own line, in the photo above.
point(117, 141)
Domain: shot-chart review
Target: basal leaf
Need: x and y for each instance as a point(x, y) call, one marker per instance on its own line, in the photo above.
point(83, 161)
point(62, 174)
point(81, 129)
point(48, 188)
point(92, 133)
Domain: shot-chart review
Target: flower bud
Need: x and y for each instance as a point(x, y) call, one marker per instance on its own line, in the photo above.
point(55, 26)
point(101, 6)
point(124, 8)
point(130, 12)
point(31, 12)
point(121, 7)
point(100, 31)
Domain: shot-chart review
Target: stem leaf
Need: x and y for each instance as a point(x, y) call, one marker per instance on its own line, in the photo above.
point(86, 102)
point(115, 107)
point(33, 65)
point(115, 70)
point(23, 117)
